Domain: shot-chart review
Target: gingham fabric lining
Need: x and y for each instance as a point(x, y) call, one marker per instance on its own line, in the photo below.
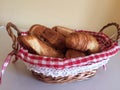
point(67, 71)
point(108, 49)
point(58, 63)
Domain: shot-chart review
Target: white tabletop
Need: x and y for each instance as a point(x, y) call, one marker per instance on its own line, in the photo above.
point(17, 77)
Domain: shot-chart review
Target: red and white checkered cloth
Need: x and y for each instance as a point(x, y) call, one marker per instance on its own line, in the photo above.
point(108, 49)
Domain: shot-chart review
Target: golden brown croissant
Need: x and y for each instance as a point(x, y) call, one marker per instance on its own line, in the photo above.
point(82, 41)
point(31, 42)
point(63, 30)
point(71, 53)
point(37, 30)
point(47, 35)
point(56, 39)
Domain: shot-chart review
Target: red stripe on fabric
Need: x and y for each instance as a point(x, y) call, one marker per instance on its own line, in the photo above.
point(6, 63)
point(56, 62)
point(75, 62)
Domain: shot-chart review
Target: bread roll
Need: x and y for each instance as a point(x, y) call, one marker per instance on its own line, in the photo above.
point(31, 42)
point(63, 30)
point(71, 53)
point(82, 41)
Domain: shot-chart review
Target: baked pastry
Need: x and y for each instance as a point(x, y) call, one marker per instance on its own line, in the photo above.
point(33, 43)
point(47, 35)
point(37, 30)
point(63, 30)
point(82, 41)
point(71, 53)
point(56, 39)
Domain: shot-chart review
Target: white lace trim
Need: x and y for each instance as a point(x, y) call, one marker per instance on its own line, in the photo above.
point(64, 72)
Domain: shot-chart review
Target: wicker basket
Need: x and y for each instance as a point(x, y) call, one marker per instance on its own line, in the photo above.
point(60, 70)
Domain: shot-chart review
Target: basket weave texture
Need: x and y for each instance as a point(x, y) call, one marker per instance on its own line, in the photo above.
point(108, 47)
point(62, 70)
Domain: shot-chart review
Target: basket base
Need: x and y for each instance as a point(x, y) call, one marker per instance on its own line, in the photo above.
point(50, 79)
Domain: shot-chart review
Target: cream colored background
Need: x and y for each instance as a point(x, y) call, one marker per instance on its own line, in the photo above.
point(77, 14)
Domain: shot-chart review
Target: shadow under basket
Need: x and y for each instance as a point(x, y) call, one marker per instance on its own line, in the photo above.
point(50, 79)
point(61, 70)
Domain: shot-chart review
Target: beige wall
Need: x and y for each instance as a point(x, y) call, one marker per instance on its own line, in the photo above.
point(77, 14)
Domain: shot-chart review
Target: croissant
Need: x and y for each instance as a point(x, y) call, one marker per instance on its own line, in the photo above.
point(47, 35)
point(82, 41)
point(54, 38)
point(37, 30)
point(63, 30)
point(32, 43)
point(71, 53)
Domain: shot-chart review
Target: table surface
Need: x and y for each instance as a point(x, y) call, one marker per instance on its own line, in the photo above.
point(17, 77)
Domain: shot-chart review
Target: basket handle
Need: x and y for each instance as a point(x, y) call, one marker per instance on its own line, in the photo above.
point(117, 27)
point(9, 27)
